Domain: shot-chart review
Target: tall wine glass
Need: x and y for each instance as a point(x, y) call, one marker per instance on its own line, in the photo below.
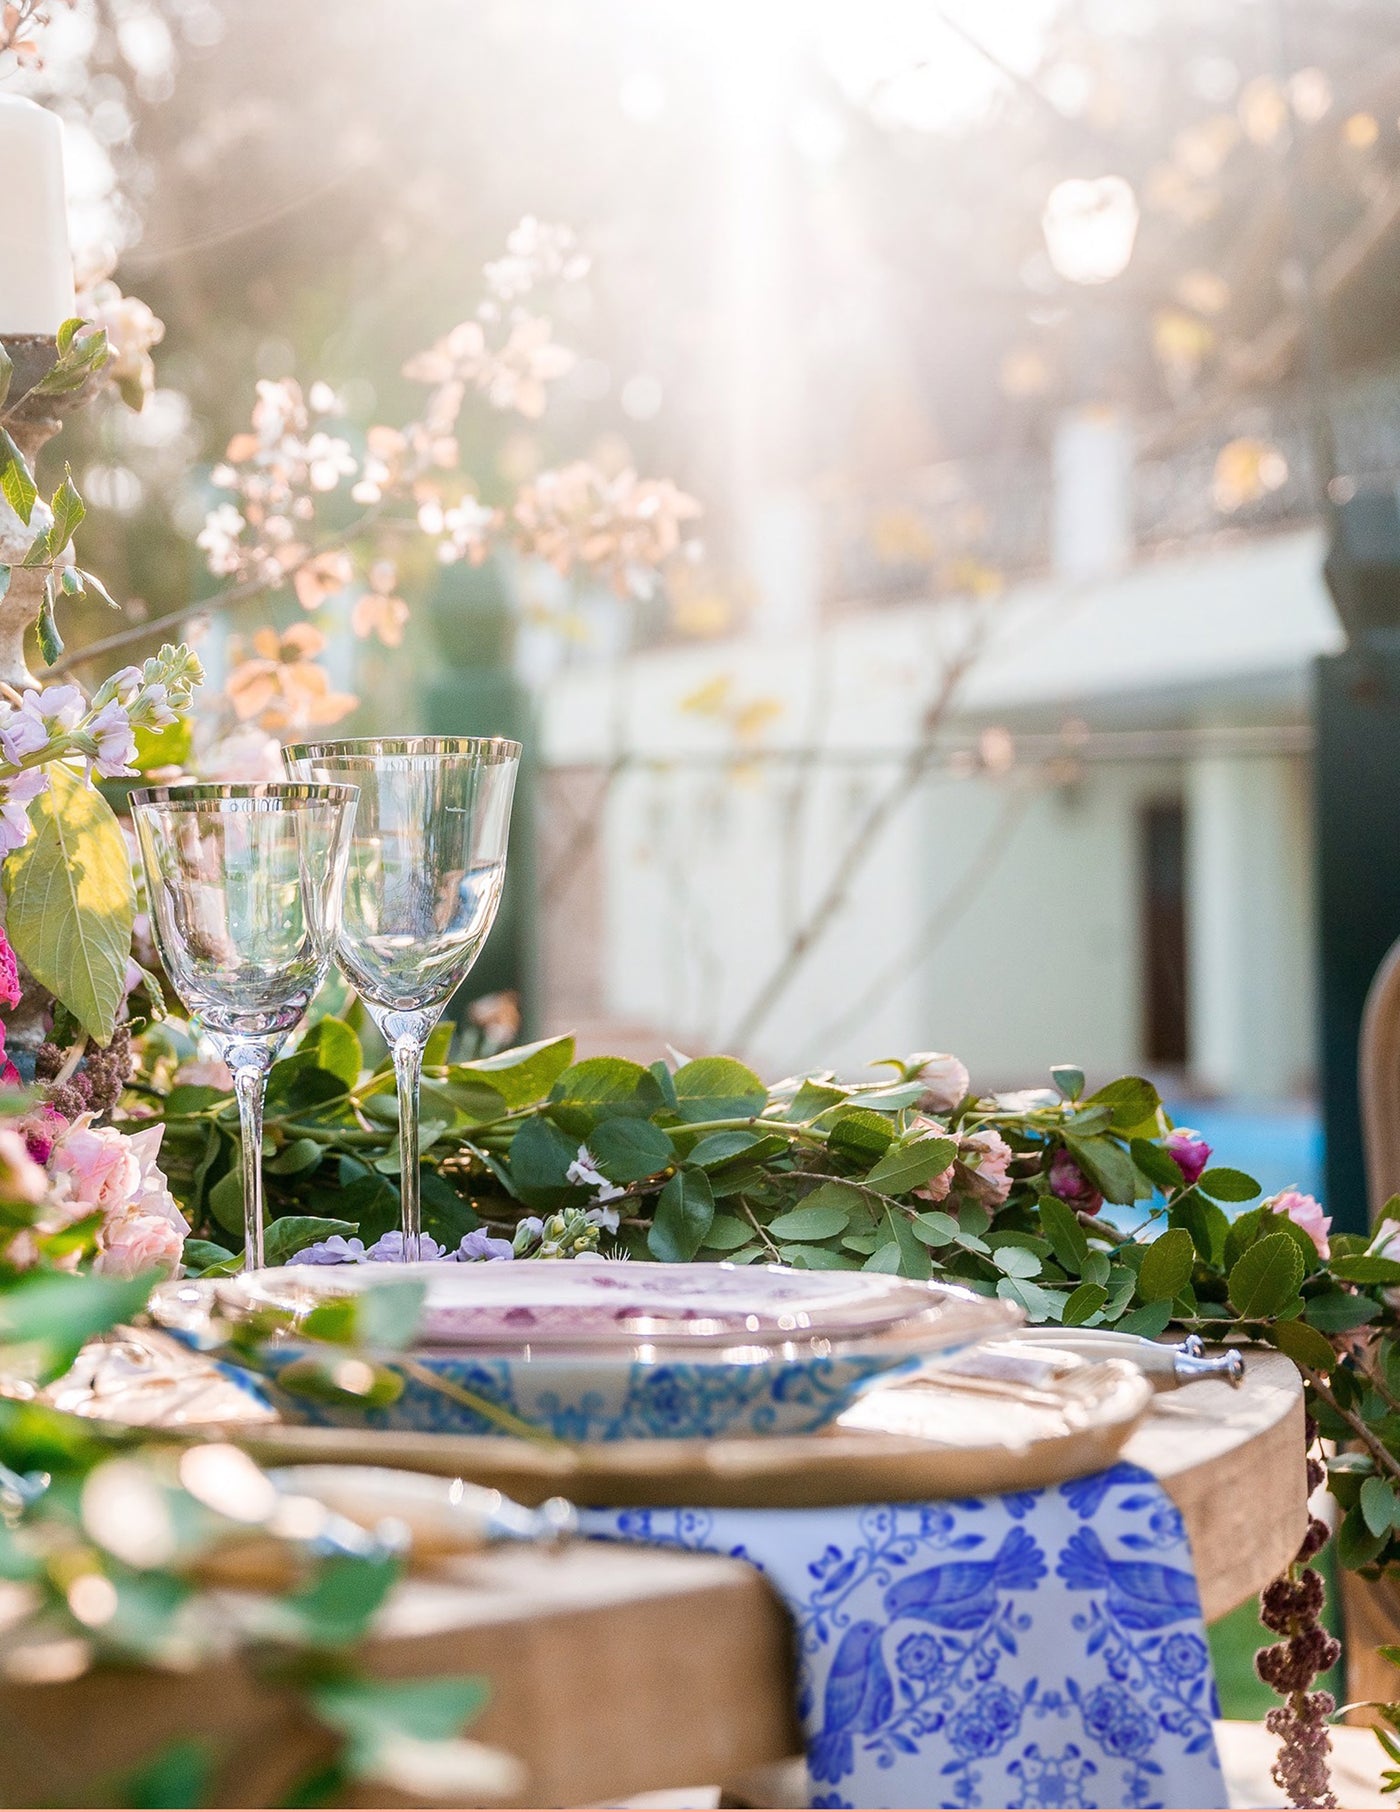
point(427, 862)
point(245, 886)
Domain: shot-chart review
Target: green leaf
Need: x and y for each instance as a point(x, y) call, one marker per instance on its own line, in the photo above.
point(1356, 1545)
point(627, 1150)
point(1067, 1238)
point(1148, 1321)
point(1084, 1302)
point(814, 1099)
point(7, 372)
point(1133, 1101)
point(727, 1233)
point(860, 1134)
point(54, 1313)
point(1225, 1185)
point(1304, 1345)
point(68, 512)
point(1068, 1080)
point(1266, 1277)
point(598, 1088)
point(1039, 1304)
point(178, 1774)
point(91, 582)
point(685, 1209)
point(1379, 1506)
point(71, 901)
point(292, 1232)
point(1157, 1165)
point(887, 1258)
point(812, 1220)
point(1107, 1165)
point(524, 1075)
point(1016, 1261)
point(1339, 1311)
point(1166, 1266)
point(906, 1167)
point(165, 748)
point(718, 1148)
point(936, 1229)
point(1205, 1222)
point(297, 1155)
point(540, 1156)
point(16, 481)
point(1366, 1268)
point(374, 1710)
point(201, 1253)
point(438, 1050)
point(817, 1258)
point(334, 1047)
point(50, 641)
point(718, 1088)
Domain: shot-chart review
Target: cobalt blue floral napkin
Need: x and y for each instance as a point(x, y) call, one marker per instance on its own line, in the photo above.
point(1044, 1648)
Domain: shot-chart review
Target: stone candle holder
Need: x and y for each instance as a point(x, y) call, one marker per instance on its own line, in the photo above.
point(32, 420)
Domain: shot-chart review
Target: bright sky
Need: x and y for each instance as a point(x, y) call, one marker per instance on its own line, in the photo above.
point(904, 60)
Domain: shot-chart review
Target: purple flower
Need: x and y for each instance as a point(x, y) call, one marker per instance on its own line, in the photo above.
point(478, 1244)
point(337, 1250)
point(1069, 1183)
point(388, 1248)
point(1190, 1150)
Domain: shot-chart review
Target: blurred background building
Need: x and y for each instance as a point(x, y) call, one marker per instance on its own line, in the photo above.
point(1024, 359)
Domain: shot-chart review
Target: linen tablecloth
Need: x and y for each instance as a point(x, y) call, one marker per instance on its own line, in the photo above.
point(1042, 1648)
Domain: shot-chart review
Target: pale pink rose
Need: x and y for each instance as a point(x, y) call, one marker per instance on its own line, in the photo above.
point(131, 1241)
point(153, 1195)
point(945, 1081)
point(986, 1157)
point(205, 1072)
point(1305, 1212)
point(936, 1189)
point(95, 1166)
point(246, 755)
point(21, 1179)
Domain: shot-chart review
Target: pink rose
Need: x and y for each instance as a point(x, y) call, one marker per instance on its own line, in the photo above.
point(1069, 1183)
point(9, 973)
point(21, 1179)
point(95, 1166)
point(1190, 1150)
point(205, 1072)
point(945, 1081)
point(153, 1197)
point(41, 1129)
point(1305, 1212)
point(986, 1157)
point(131, 1242)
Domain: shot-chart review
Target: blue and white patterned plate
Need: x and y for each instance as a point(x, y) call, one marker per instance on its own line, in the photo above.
point(788, 1381)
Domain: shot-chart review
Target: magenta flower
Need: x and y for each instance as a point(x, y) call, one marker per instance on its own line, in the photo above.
point(1069, 1183)
point(9, 973)
point(1190, 1151)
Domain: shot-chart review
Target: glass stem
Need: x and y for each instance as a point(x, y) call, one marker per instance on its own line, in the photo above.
point(250, 1061)
point(408, 1068)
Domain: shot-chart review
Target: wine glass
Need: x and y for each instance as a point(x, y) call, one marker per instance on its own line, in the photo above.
point(427, 862)
point(245, 886)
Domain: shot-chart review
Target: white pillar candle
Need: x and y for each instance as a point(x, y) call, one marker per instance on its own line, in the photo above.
point(36, 266)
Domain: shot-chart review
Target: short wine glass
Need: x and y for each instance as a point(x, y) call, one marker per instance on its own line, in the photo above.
point(245, 886)
point(427, 863)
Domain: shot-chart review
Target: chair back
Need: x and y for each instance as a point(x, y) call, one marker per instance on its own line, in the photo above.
point(1379, 1069)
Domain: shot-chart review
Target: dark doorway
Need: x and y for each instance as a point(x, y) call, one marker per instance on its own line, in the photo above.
point(1162, 865)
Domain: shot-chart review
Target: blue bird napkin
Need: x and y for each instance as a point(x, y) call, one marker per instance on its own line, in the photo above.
point(1044, 1648)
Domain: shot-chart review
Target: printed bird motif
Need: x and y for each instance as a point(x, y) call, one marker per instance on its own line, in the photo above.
point(859, 1699)
point(1139, 1594)
point(961, 1594)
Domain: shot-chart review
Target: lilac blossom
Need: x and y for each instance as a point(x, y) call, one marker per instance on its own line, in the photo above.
point(389, 1248)
point(337, 1250)
point(38, 719)
point(114, 741)
point(479, 1245)
point(16, 794)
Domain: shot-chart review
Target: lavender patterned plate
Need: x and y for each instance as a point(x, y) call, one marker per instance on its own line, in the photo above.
point(545, 1303)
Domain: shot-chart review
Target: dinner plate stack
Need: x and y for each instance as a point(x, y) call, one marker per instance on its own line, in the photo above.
point(583, 1351)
